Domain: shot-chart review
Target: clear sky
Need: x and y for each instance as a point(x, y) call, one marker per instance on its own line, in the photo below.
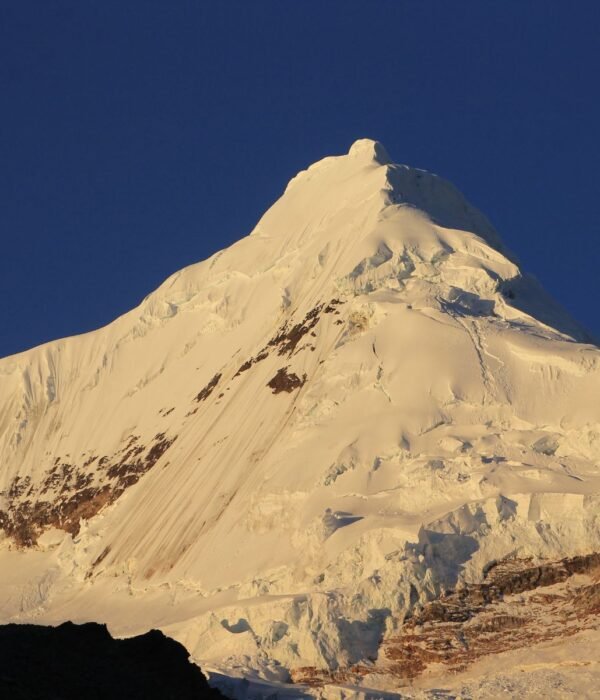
point(138, 136)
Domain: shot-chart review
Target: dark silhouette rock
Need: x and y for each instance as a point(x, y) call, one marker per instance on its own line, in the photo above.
point(76, 662)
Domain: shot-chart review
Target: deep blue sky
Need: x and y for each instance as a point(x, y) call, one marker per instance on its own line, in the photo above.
point(138, 137)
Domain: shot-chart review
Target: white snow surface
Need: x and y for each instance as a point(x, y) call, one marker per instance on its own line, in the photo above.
point(442, 391)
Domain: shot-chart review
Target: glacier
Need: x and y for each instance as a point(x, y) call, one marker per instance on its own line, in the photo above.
point(290, 453)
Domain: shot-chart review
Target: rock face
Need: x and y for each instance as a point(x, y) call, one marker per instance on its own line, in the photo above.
point(517, 606)
point(83, 661)
point(78, 492)
point(291, 452)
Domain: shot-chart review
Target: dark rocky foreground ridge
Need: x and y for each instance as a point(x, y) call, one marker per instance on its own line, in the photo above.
point(76, 662)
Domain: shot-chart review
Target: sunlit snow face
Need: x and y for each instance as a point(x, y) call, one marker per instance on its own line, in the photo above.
point(288, 447)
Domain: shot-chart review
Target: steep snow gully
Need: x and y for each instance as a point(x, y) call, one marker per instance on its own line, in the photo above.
point(358, 451)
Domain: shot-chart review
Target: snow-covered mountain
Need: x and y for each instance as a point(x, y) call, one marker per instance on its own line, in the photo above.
point(340, 452)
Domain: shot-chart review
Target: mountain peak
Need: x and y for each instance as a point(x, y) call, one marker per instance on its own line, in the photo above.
point(366, 174)
point(291, 451)
point(368, 149)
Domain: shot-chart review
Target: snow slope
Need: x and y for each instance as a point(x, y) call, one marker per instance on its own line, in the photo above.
point(288, 447)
